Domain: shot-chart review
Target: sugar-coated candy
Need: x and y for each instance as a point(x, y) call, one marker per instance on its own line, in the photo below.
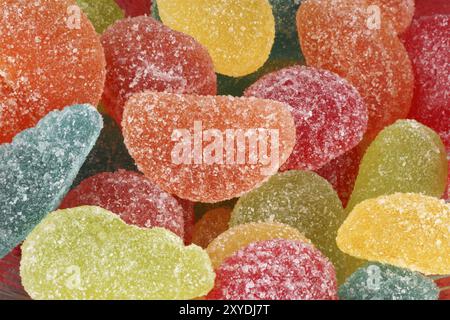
point(134, 8)
point(50, 58)
point(10, 283)
point(109, 153)
point(406, 230)
point(430, 8)
point(376, 281)
point(405, 157)
point(302, 200)
point(240, 236)
point(189, 218)
point(428, 45)
point(443, 282)
point(397, 12)
point(212, 224)
point(142, 54)
point(39, 167)
point(330, 115)
point(204, 148)
point(275, 270)
point(340, 36)
point(89, 253)
point(133, 197)
point(238, 34)
point(102, 13)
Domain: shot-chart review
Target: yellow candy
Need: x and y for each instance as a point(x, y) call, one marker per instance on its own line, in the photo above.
point(242, 235)
point(238, 34)
point(405, 230)
point(89, 253)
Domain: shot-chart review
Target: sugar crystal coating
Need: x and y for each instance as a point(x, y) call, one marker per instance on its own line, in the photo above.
point(211, 225)
point(238, 34)
point(406, 230)
point(397, 12)
point(275, 270)
point(133, 197)
point(50, 58)
point(330, 115)
point(202, 148)
point(102, 13)
point(430, 8)
point(89, 253)
point(39, 167)
point(376, 281)
point(142, 54)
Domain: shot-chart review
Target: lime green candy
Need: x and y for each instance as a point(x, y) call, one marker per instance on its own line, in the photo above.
point(89, 253)
point(102, 13)
point(405, 157)
point(302, 200)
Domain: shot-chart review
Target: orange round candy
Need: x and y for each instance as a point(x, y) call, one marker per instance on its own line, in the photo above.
point(50, 57)
point(205, 148)
point(211, 225)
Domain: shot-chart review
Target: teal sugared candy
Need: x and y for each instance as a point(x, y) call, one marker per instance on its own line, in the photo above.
point(102, 13)
point(39, 167)
point(377, 281)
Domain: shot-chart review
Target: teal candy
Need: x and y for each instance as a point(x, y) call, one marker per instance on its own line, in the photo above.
point(377, 281)
point(38, 168)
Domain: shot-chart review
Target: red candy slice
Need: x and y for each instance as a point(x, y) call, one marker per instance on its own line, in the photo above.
point(10, 282)
point(134, 8)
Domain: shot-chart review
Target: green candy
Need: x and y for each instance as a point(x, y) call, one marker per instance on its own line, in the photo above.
point(102, 13)
point(377, 281)
point(302, 200)
point(90, 253)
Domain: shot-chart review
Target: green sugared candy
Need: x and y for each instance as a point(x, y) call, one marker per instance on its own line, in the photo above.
point(406, 157)
point(377, 281)
point(302, 200)
point(39, 167)
point(102, 13)
point(90, 253)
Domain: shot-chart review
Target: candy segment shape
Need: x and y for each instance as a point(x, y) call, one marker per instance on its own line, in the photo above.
point(130, 195)
point(142, 54)
point(207, 149)
point(405, 157)
point(376, 281)
point(89, 253)
point(38, 168)
point(406, 230)
point(275, 270)
point(50, 58)
point(102, 13)
point(211, 225)
point(238, 34)
point(240, 236)
point(330, 115)
point(302, 200)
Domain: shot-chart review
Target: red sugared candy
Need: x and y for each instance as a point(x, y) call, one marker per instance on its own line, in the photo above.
point(142, 54)
point(432, 7)
point(10, 282)
point(134, 8)
point(276, 270)
point(131, 196)
point(330, 115)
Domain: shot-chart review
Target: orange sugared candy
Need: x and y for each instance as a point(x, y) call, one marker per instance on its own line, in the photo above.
point(398, 12)
point(212, 224)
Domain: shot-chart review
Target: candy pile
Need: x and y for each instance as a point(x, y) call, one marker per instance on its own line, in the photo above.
point(224, 149)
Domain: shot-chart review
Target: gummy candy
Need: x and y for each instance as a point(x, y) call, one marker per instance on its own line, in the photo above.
point(189, 218)
point(212, 224)
point(405, 157)
point(428, 47)
point(10, 282)
point(131, 196)
point(49, 59)
point(240, 236)
point(302, 200)
point(102, 13)
point(238, 34)
point(341, 37)
point(38, 168)
point(202, 208)
point(275, 270)
point(377, 281)
point(134, 8)
point(109, 153)
point(204, 148)
point(443, 282)
point(398, 12)
point(142, 54)
point(406, 230)
point(430, 8)
point(329, 113)
point(89, 253)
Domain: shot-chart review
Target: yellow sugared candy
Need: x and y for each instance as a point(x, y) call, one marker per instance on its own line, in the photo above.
point(212, 224)
point(404, 229)
point(242, 235)
point(89, 253)
point(238, 34)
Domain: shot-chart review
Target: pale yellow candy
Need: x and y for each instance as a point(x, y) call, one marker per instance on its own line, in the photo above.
point(238, 34)
point(90, 253)
point(404, 229)
point(242, 235)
